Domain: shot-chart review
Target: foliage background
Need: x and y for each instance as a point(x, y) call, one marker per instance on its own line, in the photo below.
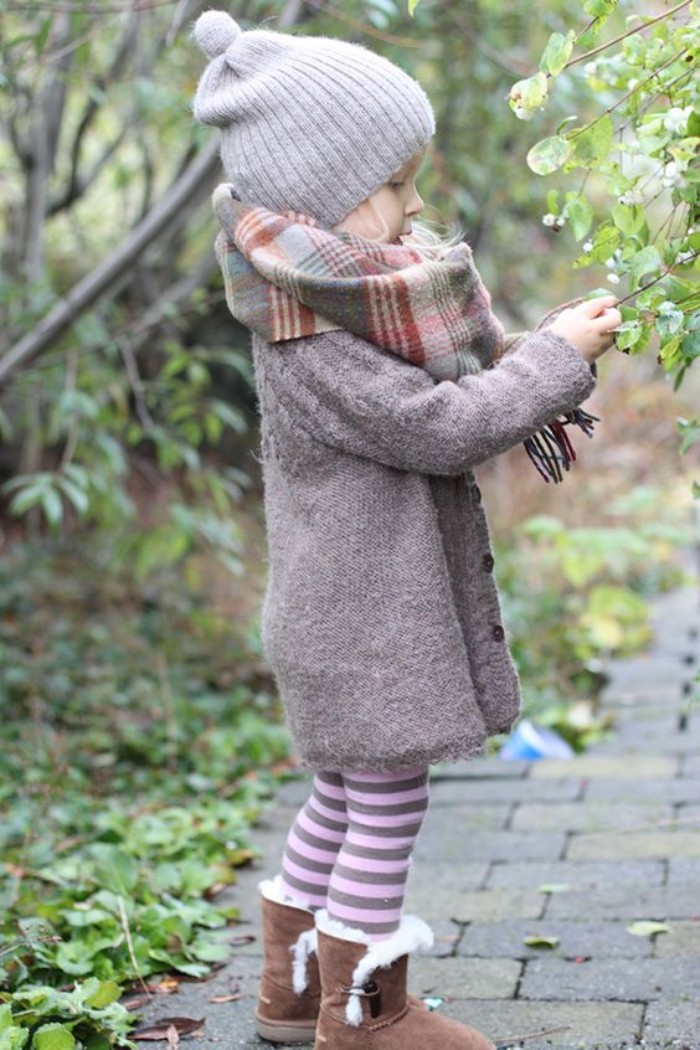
point(138, 716)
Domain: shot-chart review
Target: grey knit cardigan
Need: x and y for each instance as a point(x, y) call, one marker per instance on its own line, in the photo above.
point(381, 620)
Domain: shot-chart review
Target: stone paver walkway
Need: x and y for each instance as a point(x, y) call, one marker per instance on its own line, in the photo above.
point(575, 850)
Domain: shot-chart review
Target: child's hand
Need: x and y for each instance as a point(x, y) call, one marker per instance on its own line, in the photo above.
point(589, 326)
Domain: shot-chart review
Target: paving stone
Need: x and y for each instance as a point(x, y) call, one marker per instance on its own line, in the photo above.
point(444, 842)
point(447, 936)
point(636, 729)
point(672, 1023)
point(627, 901)
point(578, 876)
point(446, 880)
point(640, 980)
point(634, 845)
point(691, 766)
point(479, 906)
point(641, 792)
point(465, 978)
point(570, 1026)
point(485, 817)
point(687, 816)
point(683, 939)
point(643, 702)
point(587, 817)
point(675, 745)
point(455, 791)
point(609, 940)
point(488, 766)
point(683, 869)
point(294, 792)
point(636, 767)
point(685, 789)
point(651, 668)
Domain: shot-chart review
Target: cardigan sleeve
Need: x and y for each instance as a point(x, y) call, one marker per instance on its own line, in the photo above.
point(350, 395)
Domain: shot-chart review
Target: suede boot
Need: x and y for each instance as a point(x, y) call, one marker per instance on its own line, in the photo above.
point(290, 990)
point(364, 1005)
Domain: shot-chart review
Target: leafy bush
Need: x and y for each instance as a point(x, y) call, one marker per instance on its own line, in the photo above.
point(574, 596)
point(132, 722)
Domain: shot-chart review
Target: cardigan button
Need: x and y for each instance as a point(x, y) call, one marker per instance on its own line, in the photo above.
point(498, 632)
point(488, 562)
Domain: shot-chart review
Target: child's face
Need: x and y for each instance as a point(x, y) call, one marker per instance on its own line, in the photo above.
point(386, 215)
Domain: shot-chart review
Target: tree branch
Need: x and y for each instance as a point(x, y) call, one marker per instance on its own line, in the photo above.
point(96, 283)
point(76, 185)
point(587, 55)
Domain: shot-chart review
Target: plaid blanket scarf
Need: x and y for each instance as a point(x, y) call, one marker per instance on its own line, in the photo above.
point(286, 277)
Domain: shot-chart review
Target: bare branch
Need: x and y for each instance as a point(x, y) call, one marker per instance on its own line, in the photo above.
point(198, 176)
point(85, 9)
point(76, 186)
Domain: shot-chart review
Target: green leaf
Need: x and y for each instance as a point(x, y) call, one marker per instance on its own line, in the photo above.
point(77, 496)
point(548, 155)
point(528, 95)
point(27, 498)
point(579, 213)
point(644, 262)
point(412, 5)
point(52, 506)
point(599, 8)
point(557, 52)
point(605, 242)
point(628, 335)
point(54, 1037)
point(554, 887)
point(647, 928)
point(114, 869)
point(670, 319)
point(107, 992)
point(628, 217)
point(541, 941)
point(591, 144)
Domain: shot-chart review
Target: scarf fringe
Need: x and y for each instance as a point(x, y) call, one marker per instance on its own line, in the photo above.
point(551, 450)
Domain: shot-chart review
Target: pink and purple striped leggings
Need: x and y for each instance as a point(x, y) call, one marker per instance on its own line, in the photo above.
point(349, 849)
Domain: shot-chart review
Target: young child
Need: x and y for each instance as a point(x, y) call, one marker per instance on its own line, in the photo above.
point(382, 381)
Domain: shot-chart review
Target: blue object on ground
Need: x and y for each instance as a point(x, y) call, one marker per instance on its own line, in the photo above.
point(528, 741)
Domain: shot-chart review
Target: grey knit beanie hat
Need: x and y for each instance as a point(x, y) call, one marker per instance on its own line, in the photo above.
point(309, 124)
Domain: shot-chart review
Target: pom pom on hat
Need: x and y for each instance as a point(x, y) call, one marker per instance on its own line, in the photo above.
point(215, 31)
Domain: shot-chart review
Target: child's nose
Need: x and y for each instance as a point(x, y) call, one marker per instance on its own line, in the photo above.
point(415, 204)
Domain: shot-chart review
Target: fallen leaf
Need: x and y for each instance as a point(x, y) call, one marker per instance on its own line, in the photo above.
point(243, 938)
point(135, 1002)
point(234, 997)
point(647, 928)
point(159, 1030)
point(172, 1037)
point(168, 986)
point(554, 887)
point(540, 941)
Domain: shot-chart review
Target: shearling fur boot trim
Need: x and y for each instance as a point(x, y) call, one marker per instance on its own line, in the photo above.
point(306, 945)
point(271, 890)
point(413, 935)
point(307, 942)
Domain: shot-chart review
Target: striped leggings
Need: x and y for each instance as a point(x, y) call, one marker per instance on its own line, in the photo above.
point(349, 849)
